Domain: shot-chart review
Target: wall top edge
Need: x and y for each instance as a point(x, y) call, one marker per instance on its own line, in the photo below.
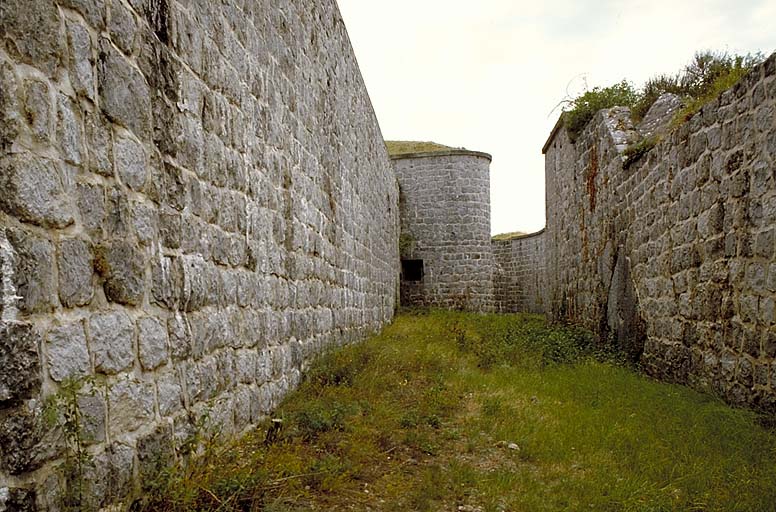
point(553, 133)
point(520, 237)
point(451, 152)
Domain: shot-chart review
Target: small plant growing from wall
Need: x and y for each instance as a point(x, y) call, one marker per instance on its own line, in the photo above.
point(406, 245)
point(62, 412)
point(634, 152)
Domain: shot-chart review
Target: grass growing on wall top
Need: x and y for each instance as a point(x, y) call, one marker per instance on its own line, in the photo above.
point(455, 411)
point(701, 81)
point(508, 236)
point(404, 147)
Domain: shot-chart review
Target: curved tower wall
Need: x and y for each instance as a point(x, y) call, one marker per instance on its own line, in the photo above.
point(445, 224)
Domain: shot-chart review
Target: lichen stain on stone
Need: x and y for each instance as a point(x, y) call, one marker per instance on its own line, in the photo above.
point(590, 176)
point(9, 298)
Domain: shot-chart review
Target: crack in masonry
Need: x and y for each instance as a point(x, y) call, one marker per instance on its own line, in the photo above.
point(9, 297)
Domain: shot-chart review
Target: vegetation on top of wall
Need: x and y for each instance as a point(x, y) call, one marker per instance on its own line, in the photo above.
point(509, 236)
point(708, 75)
point(404, 147)
point(582, 108)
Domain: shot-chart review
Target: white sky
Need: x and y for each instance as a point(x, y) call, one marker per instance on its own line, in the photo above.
point(487, 74)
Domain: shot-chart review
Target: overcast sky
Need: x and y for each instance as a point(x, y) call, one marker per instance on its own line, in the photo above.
point(487, 74)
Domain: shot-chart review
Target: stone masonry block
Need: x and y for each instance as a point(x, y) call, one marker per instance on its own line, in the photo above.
point(169, 393)
point(98, 137)
point(19, 500)
point(122, 26)
point(91, 204)
point(155, 451)
point(33, 190)
point(27, 440)
point(121, 263)
point(69, 130)
point(37, 109)
point(113, 473)
point(93, 12)
point(10, 121)
point(31, 31)
point(112, 334)
point(20, 363)
point(67, 352)
point(75, 262)
point(145, 221)
point(81, 60)
point(92, 407)
point(124, 93)
point(152, 343)
point(131, 162)
point(33, 270)
point(179, 335)
point(131, 403)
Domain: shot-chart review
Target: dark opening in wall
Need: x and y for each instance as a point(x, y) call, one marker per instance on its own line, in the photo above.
point(412, 270)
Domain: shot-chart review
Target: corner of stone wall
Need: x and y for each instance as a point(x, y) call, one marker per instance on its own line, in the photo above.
point(690, 222)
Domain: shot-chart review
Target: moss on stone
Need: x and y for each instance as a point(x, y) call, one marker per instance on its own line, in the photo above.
point(403, 147)
point(509, 236)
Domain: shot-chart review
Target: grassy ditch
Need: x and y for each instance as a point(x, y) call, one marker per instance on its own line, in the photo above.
point(456, 411)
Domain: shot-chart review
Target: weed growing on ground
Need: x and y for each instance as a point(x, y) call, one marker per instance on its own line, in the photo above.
point(456, 411)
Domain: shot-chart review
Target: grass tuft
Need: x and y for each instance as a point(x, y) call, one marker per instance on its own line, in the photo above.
point(403, 147)
point(633, 153)
point(509, 236)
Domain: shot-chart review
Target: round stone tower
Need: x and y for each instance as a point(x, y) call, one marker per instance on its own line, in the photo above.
point(445, 247)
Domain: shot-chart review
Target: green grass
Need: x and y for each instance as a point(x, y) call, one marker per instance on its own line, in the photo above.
point(700, 82)
point(509, 236)
point(404, 147)
point(486, 412)
point(584, 107)
point(634, 152)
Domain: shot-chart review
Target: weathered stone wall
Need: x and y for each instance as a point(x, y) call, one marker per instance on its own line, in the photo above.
point(445, 221)
point(675, 255)
point(195, 199)
point(519, 283)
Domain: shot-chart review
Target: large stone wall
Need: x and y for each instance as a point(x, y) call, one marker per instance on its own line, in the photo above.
point(519, 282)
point(445, 223)
point(195, 199)
point(674, 255)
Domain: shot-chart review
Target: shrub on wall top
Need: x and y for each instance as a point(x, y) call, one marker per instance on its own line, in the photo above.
point(701, 81)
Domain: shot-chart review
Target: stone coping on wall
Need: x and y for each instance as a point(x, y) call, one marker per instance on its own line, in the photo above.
point(553, 133)
point(520, 237)
point(450, 152)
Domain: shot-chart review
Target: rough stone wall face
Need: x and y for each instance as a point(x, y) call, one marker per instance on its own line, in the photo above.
point(445, 221)
point(195, 199)
point(682, 241)
point(519, 278)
